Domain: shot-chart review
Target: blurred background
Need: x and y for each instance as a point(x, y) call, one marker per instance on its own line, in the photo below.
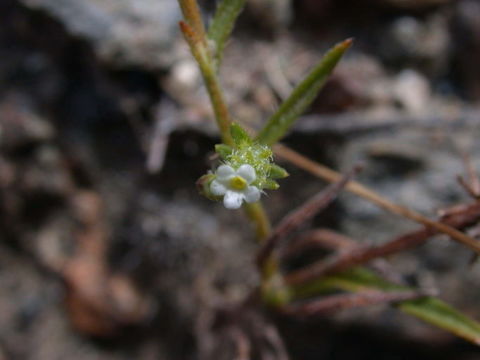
point(106, 249)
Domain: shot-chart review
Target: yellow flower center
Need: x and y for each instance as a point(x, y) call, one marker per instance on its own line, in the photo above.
point(238, 183)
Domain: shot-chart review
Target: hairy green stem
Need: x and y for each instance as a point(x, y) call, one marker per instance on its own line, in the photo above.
point(272, 287)
point(218, 102)
point(194, 34)
point(205, 62)
point(256, 213)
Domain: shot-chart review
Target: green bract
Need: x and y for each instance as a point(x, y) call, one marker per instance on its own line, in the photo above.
point(250, 152)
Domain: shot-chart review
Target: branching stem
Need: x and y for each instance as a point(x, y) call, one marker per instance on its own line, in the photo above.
point(364, 192)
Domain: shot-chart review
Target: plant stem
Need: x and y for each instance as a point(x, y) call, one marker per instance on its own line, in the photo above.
point(361, 255)
point(193, 16)
point(194, 32)
point(215, 92)
point(364, 192)
point(263, 230)
point(299, 216)
point(201, 53)
point(256, 213)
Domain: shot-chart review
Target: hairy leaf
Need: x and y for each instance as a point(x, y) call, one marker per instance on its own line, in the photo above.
point(239, 135)
point(222, 25)
point(302, 96)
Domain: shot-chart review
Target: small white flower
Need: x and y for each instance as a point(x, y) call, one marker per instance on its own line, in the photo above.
point(235, 186)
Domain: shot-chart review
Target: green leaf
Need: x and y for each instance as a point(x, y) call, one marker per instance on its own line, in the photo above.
point(239, 135)
point(429, 309)
point(353, 280)
point(302, 96)
point(222, 25)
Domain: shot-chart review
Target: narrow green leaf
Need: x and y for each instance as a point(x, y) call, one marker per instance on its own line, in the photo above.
point(353, 280)
point(222, 25)
point(302, 96)
point(429, 309)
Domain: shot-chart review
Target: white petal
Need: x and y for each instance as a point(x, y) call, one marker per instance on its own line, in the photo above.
point(224, 172)
point(233, 199)
point(247, 172)
point(217, 188)
point(252, 194)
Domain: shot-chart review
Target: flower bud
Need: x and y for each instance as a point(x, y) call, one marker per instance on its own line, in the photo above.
point(203, 186)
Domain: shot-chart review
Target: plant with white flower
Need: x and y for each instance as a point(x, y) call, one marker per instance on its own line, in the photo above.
point(247, 169)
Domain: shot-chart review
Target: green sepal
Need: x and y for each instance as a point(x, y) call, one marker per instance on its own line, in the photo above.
point(277, 172)
point(224, 151)
point(239, 135)
point(270, 184)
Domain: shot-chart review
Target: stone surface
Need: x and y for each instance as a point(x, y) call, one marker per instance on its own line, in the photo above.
point(135, 33)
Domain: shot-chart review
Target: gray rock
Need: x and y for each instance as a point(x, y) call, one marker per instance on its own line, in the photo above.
point(123, 32)
point(412, 91)
point(466, 42)
point(420, 44)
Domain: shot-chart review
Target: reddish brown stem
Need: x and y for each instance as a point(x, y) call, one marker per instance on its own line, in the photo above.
point(357, 188)
point(299, 216)
point(356, 257)
point(322, 239)
point(334, 303)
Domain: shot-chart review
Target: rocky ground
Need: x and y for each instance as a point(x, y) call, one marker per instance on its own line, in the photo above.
point(107, 251)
